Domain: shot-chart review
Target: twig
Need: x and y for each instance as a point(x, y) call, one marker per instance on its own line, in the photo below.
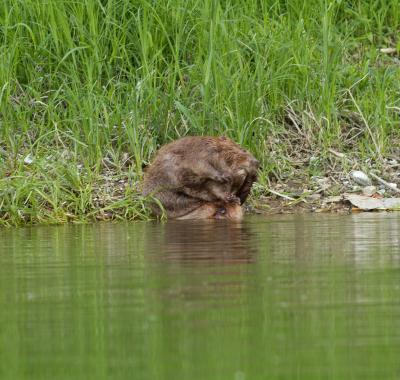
point(340, 155)
point(383, 182)
point(281, 195)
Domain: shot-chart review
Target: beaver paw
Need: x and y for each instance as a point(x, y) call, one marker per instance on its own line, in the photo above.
point(232, 198)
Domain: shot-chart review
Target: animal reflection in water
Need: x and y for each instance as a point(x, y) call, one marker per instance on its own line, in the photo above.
point(200, 178)
point(202, 242)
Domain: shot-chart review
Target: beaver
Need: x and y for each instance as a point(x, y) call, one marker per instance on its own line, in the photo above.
point(198, 175)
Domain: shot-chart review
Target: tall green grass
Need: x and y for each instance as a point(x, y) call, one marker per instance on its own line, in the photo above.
point(82, 81)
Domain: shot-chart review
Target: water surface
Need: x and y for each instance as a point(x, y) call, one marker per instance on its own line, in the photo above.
point(289, 297)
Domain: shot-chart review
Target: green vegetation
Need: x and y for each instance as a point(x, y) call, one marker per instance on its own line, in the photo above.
point(89, 89)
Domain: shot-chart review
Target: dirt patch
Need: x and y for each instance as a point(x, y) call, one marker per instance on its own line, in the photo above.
point(273, 205)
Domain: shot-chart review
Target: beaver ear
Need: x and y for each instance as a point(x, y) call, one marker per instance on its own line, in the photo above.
point(255, 163)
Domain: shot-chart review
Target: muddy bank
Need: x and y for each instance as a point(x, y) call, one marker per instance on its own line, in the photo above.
point(49, 192)
point(338, 176)
point(347, 185)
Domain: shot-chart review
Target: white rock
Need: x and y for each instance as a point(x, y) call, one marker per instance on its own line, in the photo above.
point(28, 159)
point(368, 203)
point(360, 178)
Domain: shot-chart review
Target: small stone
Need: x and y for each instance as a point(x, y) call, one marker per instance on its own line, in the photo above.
point(369, 190)
point(393, 184)
point(360, 178)
point(381, 191)
point(28, 159)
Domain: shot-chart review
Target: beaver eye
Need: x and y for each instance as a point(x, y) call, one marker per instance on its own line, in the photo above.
point(221, 211)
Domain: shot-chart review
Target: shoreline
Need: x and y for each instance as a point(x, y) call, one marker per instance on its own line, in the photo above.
point(113, 194)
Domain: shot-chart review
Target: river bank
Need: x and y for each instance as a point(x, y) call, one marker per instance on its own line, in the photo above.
point(55, 190)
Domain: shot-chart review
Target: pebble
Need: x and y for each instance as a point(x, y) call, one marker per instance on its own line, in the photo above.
point(360, 178)
point(369, 190)
point(28, 159)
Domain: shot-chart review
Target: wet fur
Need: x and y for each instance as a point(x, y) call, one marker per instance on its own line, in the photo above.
point(194, 173)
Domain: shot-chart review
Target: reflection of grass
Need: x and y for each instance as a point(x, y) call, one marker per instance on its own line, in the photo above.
point(90, 89)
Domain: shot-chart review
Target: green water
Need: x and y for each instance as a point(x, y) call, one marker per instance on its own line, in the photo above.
point(296, 297)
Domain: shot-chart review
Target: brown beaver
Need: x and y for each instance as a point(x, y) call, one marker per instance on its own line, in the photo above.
point(201, 177)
